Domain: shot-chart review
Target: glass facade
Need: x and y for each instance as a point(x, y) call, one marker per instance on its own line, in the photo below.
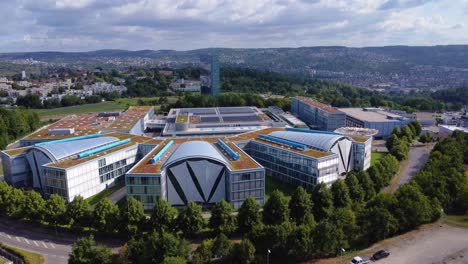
point(143, 188)
point(316, 117)
point(291, 167)
point(113, 170)
point(241, 185)
point(55, 182)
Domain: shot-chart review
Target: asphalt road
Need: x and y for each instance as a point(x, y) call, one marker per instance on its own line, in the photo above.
point(118, 195)
point(54, 250)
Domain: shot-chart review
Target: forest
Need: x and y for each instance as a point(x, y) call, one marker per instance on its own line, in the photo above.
point(15, 123)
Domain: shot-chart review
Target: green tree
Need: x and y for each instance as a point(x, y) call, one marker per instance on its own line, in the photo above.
point(328, 239)
point(133, 216)
point(391, 141)
point(406, 132)
point(417, 127)
point(203, 253)
point(356, 192)
point(79, 212)
point(276, 210)
point(244, 252)
point(300, 207)
point(340, 194)
point(300, 243)
point(222, 220)
point(174, 260)
point(163, 216)
point(190, 220)
point(222, 246)
point(413, 207)
point(249, 215)
point(322, 199)
point(106, 216)
point(55, 209)
point(367, 185)
point(85, 251)
point(34, 206)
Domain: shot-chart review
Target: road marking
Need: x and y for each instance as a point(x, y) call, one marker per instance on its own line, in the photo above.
point(44, 244)
point(35, 243)
point(52, 245)
point(9, 236)
point(17, 238)
point(27, 241)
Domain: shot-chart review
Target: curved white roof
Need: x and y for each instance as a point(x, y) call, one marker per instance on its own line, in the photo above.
point(195, 149)
point(318, 141)
point(64, 149)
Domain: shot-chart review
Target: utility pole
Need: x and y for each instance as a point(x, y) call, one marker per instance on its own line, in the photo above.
point(268, 256)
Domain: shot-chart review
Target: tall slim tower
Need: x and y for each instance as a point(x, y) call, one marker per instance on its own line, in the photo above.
point(214, 74)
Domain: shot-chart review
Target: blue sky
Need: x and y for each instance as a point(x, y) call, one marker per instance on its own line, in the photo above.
point(82, 25)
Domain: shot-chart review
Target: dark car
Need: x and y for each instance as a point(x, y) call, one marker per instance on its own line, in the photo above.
point(380, 254)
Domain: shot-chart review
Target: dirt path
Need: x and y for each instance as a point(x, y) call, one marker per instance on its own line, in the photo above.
point(433, 243)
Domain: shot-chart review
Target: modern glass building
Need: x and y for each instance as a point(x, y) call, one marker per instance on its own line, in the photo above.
point(214, 75)
point(317, 115)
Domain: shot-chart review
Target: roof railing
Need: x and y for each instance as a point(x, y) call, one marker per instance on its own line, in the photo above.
point(305, 130)
point(229, 150)
point(103, 148)
point(161, 152)
point(283, 142)
point(67, 139)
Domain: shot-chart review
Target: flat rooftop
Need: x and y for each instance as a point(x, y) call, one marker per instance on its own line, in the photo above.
point(372, 115)
point(321, 106)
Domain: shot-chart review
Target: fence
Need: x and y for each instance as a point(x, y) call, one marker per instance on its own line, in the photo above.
point(11, 256)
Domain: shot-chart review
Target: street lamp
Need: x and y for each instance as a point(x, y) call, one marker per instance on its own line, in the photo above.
point(342, 252)
point(268, 256)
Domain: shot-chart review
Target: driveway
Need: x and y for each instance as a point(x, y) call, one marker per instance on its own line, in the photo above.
point(418, 156)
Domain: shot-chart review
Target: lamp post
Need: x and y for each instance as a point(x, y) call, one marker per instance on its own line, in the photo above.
point(342, 252)
point(268, 256)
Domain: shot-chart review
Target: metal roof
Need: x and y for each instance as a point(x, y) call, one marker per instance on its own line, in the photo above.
point(322, 142)
point(61, 150)
point(195, 149)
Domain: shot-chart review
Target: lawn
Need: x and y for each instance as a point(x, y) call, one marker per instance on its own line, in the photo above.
point(1, 167)
point(272, 184)
point(30, 257)
point(376, 156)
point(456, 220)
point(98, 197)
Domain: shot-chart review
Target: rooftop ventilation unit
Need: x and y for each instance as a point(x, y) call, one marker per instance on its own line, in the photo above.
point(161, 152)
point(229, 150)
point(103, 148)
point(67, 139)
point(61, 131)
point(283, 142)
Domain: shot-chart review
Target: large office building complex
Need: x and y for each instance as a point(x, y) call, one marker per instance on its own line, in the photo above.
point(317, 115)
point(374, 118)
point(179, 170)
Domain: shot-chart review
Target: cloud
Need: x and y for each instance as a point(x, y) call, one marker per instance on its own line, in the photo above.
point(77, 25)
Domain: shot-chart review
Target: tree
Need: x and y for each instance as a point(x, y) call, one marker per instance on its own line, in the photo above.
point(249, 215)
point(300, 207)
point(85, 251)
point(190, 220)
point(413, 207)
point(244, 252)
point(356, 192)
point(33, 206)
point(55, 209)
point(417, 127)
point(174, 260)
point(133, 216)
point(222, 246)
point(391, 141)
point(155, 247)
point(79, 212)
point(367, 185)
point(340, 194)
point(322, 199)
point(106, 216)
point(163, 216)
point(300, 243)
point(329, 239)
point(222, 220)
point(406, 132)
point(425, 138)
point(276, 210)
point(203, 253)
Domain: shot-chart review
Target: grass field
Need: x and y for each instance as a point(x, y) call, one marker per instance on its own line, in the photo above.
point(118, 105)
point(30, 257)
point(274, 184)
point(1, 167)
point(376, 156)
point(456, 220)
point(98, 197)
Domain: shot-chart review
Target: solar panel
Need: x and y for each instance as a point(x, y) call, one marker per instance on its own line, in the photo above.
point(235, 110)
point(210, 119)
point(198, 111)
point(250, 118)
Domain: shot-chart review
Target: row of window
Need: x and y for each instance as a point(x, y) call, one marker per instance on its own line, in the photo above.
point(244, 194)
point(155, 190)
point(247, 176)
point(51, 190)
point(143, 180)
point(247, 185)
point(56, 174)
point(145, 199)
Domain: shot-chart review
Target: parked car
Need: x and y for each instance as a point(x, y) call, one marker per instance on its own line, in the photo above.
point(380, 254)
point(359, 260)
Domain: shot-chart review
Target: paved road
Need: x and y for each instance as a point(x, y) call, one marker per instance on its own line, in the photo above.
point(418, 156)
point(54, 250)
point(118, 195)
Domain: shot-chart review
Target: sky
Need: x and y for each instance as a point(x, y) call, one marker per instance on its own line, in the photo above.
point(85, 25)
